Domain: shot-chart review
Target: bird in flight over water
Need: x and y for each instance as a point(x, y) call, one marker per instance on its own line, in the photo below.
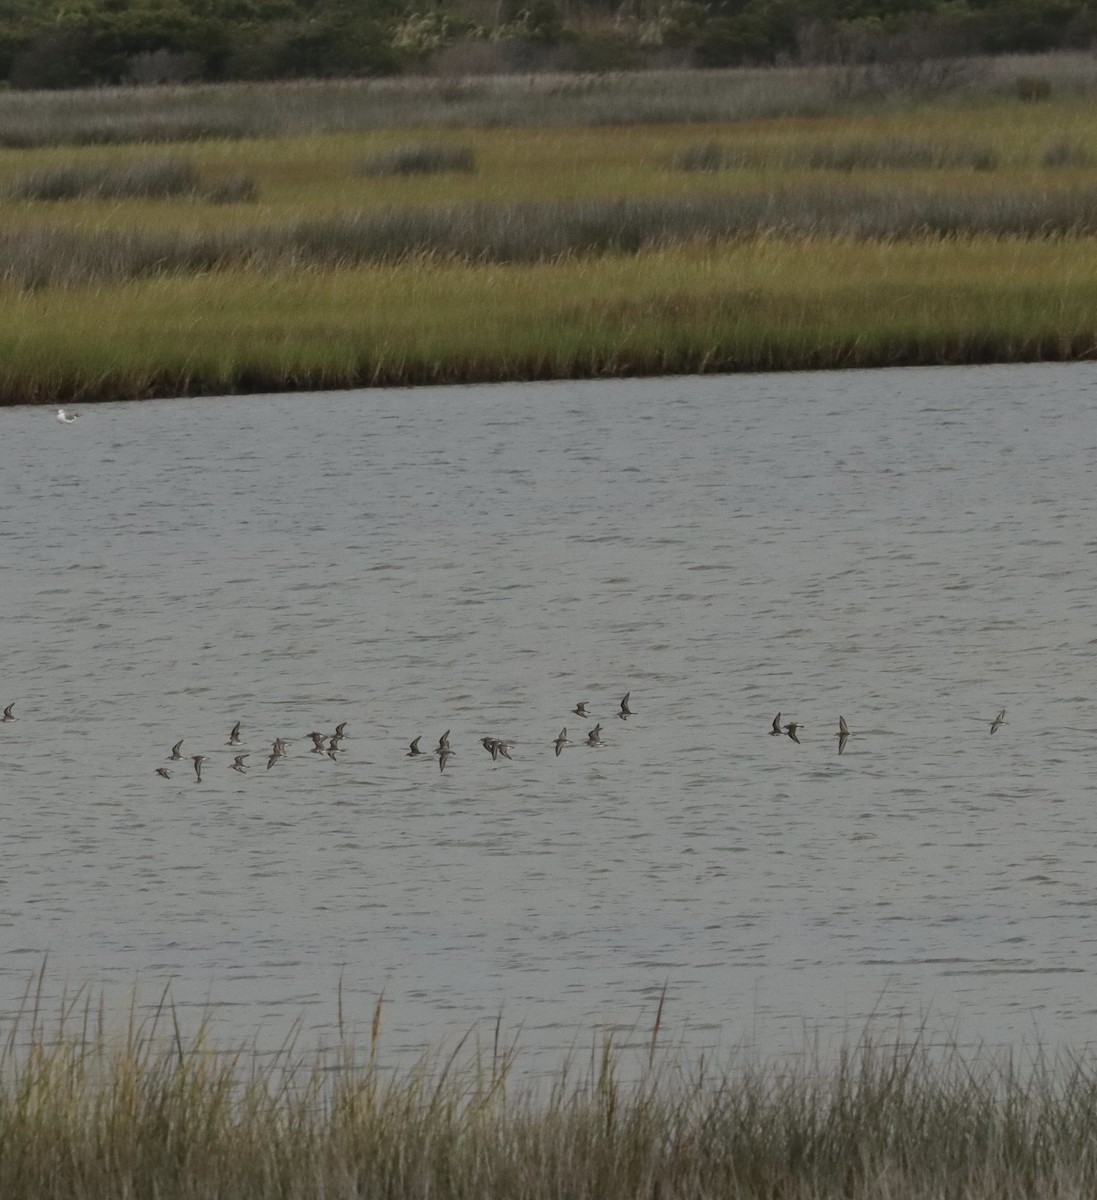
point(776, 731)
point(1000, 719)
point(843, 734)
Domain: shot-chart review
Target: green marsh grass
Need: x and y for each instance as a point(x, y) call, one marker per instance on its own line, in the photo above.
point(766, 304)
point(93, 1108)
point(164, 298)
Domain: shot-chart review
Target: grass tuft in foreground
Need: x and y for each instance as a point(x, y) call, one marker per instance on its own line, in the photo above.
point(150, 1112)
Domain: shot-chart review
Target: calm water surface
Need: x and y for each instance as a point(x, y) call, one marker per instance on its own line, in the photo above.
point(911, 549)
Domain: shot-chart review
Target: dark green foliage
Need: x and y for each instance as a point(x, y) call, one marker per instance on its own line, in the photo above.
point(59, 44)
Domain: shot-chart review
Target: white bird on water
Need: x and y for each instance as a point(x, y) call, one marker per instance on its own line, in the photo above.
point(66, 418)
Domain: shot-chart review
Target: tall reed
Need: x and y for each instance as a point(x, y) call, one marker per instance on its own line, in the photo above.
point(91, 1110)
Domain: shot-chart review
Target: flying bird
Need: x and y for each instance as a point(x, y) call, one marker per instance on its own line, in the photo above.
point(198, 760)
point(1000, 719)
point(238, 764)
point(791, 729)
point(9, 714)
point(776, 731)
point(581, 709)
point(163, 772)
point(415, 751)
point(843, 734)
point(625, 712)
point(561, 740)
point(175, 751)
point(234, 735)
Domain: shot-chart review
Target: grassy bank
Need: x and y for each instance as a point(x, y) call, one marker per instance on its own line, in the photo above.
point(758, 305)
point(948, 229)
point(86, 1111)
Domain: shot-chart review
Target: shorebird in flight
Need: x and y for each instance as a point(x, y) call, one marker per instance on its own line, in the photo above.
point(791, 729)
point(625, 712)
point(9, 714)
point(341, 729)
point(163, 772)
point(843, 734)
point(66, 418)
point(318, 740)
point(495, 747)
point(238, 764)
point(175, 754)
point(594, 737)
point(414, 752)
point(444, 755)
point(776, 731)
point(581, 709)
point(443, 742)
point(561, 740)
point(198, 760)
point(234, 735)
point(1000, 719)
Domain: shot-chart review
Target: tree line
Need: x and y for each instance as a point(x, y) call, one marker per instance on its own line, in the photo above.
point(75, 43)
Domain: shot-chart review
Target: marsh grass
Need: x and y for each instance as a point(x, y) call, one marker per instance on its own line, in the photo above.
point(1066, 152)
point(543, 233)
point(894, 154)
point(140, 179)
point(762, 305)
point(150, 178)
point(111, 116)
point(419, 158)
point(712, 156)
point(93, 1110)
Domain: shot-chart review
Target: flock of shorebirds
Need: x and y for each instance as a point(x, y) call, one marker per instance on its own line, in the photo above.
point(331, 744)
point(843, 735)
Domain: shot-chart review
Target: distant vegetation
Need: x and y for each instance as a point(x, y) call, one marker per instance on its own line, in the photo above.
point(423, 231)
point(59, 44)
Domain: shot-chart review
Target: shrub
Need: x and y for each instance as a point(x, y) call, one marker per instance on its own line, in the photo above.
point(1032, 87)
point(150, 178)
point(419, 158)
point(1065, 152)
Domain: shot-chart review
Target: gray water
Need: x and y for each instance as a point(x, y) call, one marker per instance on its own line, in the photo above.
point(911, 549)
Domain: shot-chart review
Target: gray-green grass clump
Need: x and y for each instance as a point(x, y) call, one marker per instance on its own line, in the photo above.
point(111, 116)
point(894, 154)
point(1066, 152)
point(419, 158)
point(142, 179)
point(537, 233)
point(151, 1112)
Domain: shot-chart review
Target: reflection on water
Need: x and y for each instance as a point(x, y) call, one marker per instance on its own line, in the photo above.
point(911, 549)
